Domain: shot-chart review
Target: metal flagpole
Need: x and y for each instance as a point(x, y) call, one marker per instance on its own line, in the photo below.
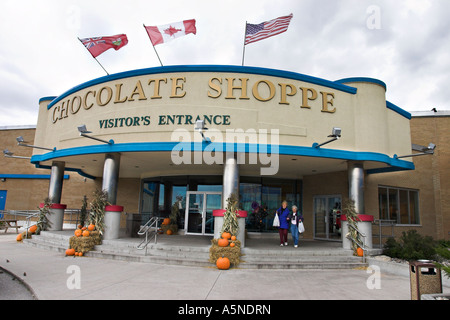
point(101, 65)
point(95, 58)
point(243, 50)
point(153, 45)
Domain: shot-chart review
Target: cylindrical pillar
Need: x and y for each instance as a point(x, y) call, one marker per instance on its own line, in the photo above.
point(230, 178)
point(356, 185)
point(55, 216)
point(111, 176)
point(56, 181)
point(112, 222)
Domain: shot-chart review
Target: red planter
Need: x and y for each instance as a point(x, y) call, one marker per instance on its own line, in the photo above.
point(220, 212)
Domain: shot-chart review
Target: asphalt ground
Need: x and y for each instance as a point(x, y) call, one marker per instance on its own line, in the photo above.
point(50, 275)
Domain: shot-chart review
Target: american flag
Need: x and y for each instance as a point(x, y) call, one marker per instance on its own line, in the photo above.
point(256, 32)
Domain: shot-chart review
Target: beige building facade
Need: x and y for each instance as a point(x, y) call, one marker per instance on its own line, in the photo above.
point(186, 137)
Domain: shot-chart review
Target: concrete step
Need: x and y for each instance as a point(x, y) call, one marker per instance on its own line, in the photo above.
point(194, 253)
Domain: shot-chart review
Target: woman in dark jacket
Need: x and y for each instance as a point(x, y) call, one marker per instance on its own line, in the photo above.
point(295, 217)
point(283, 215)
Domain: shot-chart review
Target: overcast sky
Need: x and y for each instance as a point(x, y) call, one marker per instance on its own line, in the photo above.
point(405, 43)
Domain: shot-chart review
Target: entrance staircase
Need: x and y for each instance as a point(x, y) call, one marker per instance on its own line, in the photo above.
point(259, 253)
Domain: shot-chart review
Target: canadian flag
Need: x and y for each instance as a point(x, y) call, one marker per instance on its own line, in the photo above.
point(168, 32)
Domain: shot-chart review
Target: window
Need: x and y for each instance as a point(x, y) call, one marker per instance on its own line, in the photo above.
point(399, 204)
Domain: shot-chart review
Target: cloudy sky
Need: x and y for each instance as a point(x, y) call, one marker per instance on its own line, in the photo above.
point(405, 43)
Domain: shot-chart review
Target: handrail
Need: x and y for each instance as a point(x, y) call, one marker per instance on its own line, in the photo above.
point(150, 226)
point(28, 221)
point(384, 223)
point(362, 244)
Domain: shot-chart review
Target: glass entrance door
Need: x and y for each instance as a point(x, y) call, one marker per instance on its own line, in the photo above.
point(199, 211)
point(327, 212)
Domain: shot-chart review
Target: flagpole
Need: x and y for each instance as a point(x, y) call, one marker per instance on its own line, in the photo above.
point(243, 50)
point(95, 58)
point(153, 46)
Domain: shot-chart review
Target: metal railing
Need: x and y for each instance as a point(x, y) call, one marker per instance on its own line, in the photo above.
point(150, 230)
point(361, 244)
point(70, 216)
point(384, 223)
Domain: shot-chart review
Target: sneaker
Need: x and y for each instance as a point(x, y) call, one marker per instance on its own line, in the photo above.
point(295, 246)
point(281, 245)
point(285, 243)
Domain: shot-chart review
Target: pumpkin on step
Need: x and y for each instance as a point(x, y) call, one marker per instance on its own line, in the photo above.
point(359, 252)
point(223, 263)
point(91, 227)
point(70, 252)
point(78, 233)
point(166, 221)
point(32, 229)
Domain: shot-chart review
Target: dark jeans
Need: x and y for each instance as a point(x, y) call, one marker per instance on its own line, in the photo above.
point(283, 235)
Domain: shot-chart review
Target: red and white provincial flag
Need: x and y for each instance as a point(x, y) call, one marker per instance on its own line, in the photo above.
point(96, 46)
point(168, 32)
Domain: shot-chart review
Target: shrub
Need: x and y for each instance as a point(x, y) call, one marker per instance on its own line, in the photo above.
point(411, 246)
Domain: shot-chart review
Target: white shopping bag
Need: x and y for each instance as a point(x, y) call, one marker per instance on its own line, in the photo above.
point(301, 227)
point(276, 221)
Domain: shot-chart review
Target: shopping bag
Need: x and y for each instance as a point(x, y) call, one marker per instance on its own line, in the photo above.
point(301, 227)
point(276, 221)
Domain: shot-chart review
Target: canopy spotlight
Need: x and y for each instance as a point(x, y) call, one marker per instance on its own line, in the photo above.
point(422, 150)
point(335, 135)
point(9, 154)
point(84, 133)
point(200, 127)
point(21, 142)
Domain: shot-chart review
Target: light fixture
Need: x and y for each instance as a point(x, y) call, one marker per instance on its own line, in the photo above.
point(9, 154)
point(22, 143)
point(422, 150)
point(200, 127)
point(335, 135)
point(84, 133)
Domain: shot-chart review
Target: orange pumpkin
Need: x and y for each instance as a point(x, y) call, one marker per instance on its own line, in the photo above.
point(80, 226)
point(91, 227)
point(223, 242)
point(19, 237)
point(223, 263)
point(233, 238)
point(166, 221)
point(226, 235)
point(33, 229)
point(80, 254)
point(70, 252)
point(232, 244)
point(85, 233)
point(169, 232)
point(359, 252)
point(84, 228)
point(78, 233)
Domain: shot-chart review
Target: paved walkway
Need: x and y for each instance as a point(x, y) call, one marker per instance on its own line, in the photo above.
point(51, 275)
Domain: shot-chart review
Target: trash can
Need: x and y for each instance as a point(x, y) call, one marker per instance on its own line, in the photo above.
point(425, 278)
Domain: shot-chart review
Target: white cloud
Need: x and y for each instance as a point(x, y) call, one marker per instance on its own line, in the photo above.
point(41, 56)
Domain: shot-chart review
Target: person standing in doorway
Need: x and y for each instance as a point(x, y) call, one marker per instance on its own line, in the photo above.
point(295, 217)
point(283, 215)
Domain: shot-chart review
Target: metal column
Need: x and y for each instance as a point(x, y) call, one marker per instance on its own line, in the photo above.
point(230, 178)
point(356, 185)
point(111, 176)
point(56, 181)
